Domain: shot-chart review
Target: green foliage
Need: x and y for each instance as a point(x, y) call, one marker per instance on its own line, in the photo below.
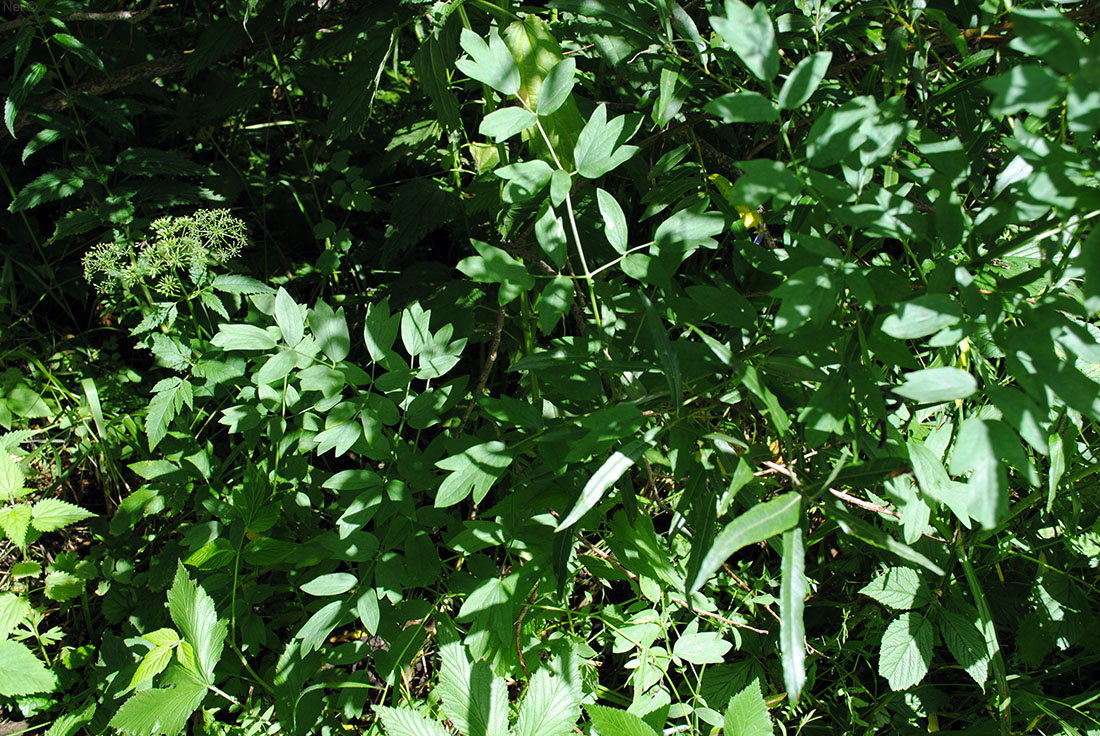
point(691, 358)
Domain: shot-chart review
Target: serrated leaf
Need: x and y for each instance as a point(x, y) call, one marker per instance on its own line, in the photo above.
point(243, 337)
point(747, 714)
point(78, 47)
point(966, 644)
point(336, 583)
point(52, 185)
point(14, 610)
point(62, 586)
point(16, 522)
point(11, 477)
point(906, 650)
point(69, 723)
point(551, 705)
point(474, 699)
point(152, 664)
point(618, 722)
point(900, 588)
point(764, 520)
point(195, 616)
point(407, 722)
point(162, 637)
point(22, 673)
point(51, 514)
point(792, 602)
point(161, 710)
point(233, 283)
point(163, 408)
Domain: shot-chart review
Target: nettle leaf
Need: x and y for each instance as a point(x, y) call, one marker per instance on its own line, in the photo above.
point(473, 698)
point(194, 614)
point(922, 316)
point(747, 714)
point(803, 81)
point(15, 520)
point(22, 673)
point(618, 722)
point(906, 650)
point(51, 514)
point(751, 35)
point(551, 705)
point(966, 643)
point(489, 63)
point(11, 477)
point(14, 610)
point(900, 588)
point(474, 471)
point(936, 385)
point(764, 520)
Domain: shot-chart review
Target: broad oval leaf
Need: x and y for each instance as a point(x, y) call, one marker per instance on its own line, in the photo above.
point(936, 385)
point(502, 124)
point(614, 221)
point(743, 107)
point(803, 81)
point(922, 316)
point(557, 86)
point(335, 583)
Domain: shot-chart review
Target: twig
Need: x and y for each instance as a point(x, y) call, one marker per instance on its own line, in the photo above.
point(126, 16)
point(742, 583)
point(864, 504)
point(494, 346)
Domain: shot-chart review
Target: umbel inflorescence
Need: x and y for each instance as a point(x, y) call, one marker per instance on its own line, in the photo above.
point(180, 245)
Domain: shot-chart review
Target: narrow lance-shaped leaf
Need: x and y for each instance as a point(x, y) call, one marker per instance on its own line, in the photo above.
point(792, 630)
point(764, 520)
point(608, 473)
